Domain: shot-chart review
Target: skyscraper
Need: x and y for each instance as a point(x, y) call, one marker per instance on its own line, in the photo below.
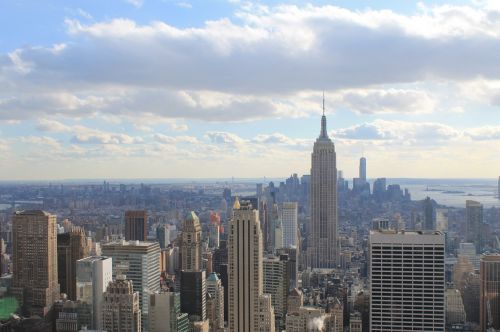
point(322, 242)
point(216, 291)
point(163, 235)
point(428, 214)
point(140, 261)
point(190, 243)
point(165, 313)
point(121, 311)
point(249, 309)
point(136, 225)
point(407, 281)
point(276, 280)
point(490, 292)
point(71, 247)
point(290, 227)
point(474, 219)
point(93, 274)
point(498, 187)
point(194, 295)
point(362, 169)
point(34, 248)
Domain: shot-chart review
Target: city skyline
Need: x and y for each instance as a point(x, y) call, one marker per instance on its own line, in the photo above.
point(244, 88)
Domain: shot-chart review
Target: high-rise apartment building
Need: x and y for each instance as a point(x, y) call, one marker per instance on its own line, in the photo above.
point(474, 219)
point(71, 246)
point(93, 275)
point(216, 292)
point(140, 262)
point(490, 292)
point(190, 243)
point(34, 247)
point(163, 235)
point(290, 225)
point(407, 281)
point(194, 295)
point(276, 280)
point(322, 243)
point(165, 313)
point(136, 225)
point(121, 311)
point(249, 309)
point(362, 169)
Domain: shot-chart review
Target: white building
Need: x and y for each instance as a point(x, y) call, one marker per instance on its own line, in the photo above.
point(407, 281)
point(140, 262)
point(290, 227)
point(93, 274)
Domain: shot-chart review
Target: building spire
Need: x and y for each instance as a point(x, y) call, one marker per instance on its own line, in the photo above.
point(324, 133)
point(323, 102)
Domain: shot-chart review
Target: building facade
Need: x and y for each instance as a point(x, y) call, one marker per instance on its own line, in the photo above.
point(247, 304)
point(136, 225)
point(165, 313)
point(474, 219)
point(490, 292)
point(322, 242)
point(71, 246)
point(34, 247)
point(93, 274)
point(290, 225)
point(140, 262)
point(407, 281)
point(190, 243)
point(121, 311)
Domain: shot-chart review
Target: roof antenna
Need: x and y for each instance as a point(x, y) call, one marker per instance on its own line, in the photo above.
point(323, 102)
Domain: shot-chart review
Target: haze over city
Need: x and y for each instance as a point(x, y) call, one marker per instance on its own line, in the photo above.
point(211, 89)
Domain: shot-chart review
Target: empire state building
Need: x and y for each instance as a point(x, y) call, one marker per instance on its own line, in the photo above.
point(322, 242)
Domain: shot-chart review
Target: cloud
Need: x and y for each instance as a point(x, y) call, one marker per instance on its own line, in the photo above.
point(224, 138)
point(136, 3)
point(175, 139)
point(388, 101)
point(84, 135)
point(485, 133)
point(401, 132)
point(257, 61)
point(184, 4)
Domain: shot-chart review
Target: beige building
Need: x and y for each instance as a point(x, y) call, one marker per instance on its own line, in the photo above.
point(322, 248)
point(190, 243)
point(490, 292)
point(34, 248)
point(308, 319)
point(460, 270)
point(249, 309)
point(121, 312)
point(355, 323)
point(290, 224)
point(295, 301)
point(455, 311)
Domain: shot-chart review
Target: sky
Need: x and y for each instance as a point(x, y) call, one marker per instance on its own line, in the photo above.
point(93, 89)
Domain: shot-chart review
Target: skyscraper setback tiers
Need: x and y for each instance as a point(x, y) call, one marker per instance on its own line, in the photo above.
point(322, 243)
